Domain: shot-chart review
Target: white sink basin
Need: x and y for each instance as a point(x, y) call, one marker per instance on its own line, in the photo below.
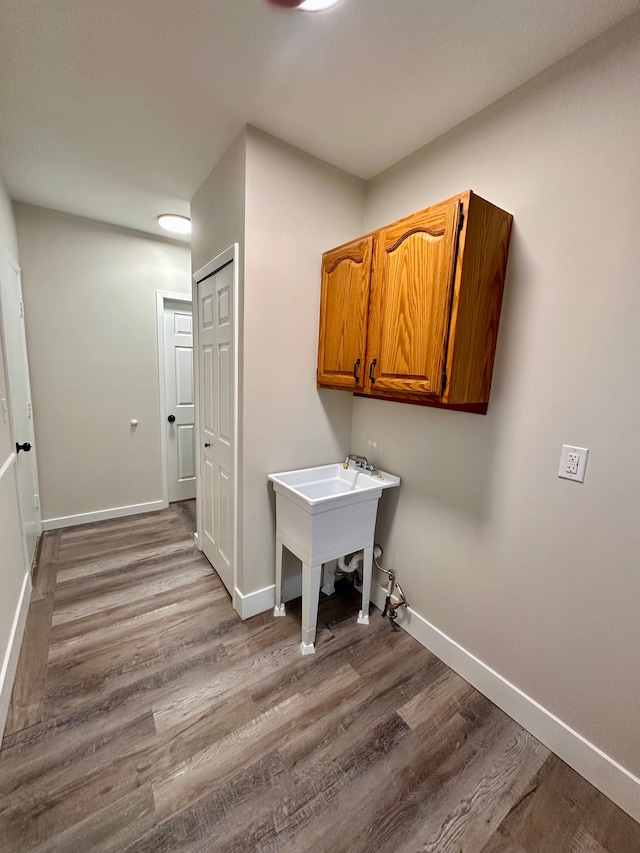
point(331, 486)
point(321, 514)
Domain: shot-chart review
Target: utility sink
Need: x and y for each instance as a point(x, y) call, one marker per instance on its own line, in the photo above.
point(324, 513)
point(330, 486)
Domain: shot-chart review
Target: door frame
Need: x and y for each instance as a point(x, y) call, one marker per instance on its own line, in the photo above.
point(163, 296)
point(9, 360)
point(230, 255)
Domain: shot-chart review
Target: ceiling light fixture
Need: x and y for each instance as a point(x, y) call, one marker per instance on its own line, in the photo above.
point(317, 5)
point(305, 5)
point(174, 223)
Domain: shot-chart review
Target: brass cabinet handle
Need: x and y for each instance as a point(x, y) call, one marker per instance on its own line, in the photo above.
point(371, 376)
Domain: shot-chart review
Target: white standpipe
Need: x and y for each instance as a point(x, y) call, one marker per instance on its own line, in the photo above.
point(392, 603)
point(344, 566)
point(356, 559)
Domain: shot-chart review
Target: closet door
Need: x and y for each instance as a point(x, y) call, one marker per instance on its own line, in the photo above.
point(218, 418)
point(344, 304)
point(410, 308)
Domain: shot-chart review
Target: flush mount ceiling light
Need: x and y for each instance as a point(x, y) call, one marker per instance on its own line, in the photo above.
point(305, 5)
point(174, 223)
point(317, 5)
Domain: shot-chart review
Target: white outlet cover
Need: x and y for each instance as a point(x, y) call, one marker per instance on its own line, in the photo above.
point(570, 468)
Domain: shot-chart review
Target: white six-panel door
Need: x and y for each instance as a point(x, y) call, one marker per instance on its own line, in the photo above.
point(179, 420)
point(19, 405)
point(216, 370)
point(15, 588)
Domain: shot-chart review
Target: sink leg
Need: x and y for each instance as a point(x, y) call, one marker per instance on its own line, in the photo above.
point(278, 610)
point(363, 616)
point(329, 577)
point(310, 597)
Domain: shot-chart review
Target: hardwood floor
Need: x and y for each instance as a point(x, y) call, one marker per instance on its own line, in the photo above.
point(147, 717)
point(187, 512)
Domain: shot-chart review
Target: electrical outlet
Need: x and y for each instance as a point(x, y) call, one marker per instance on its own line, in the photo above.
point(573, 461)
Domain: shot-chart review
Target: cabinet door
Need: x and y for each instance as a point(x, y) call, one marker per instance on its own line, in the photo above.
point(344, 307)
point(411, 288)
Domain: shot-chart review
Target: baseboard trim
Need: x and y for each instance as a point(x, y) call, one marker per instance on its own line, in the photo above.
point(254, 602)
point(264, 599)
point(102, 515)
point(609, 777)
point(36, 554)
point(10, 663)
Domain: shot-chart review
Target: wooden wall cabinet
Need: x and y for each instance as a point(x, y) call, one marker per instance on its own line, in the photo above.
point(410, 312)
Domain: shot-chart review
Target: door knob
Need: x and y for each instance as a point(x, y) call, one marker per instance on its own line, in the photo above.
point(206, 444)
point(171, 418)
point(26, 447)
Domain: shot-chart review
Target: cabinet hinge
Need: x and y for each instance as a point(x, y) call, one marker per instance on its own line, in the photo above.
point(37, 501)
point(21, 310)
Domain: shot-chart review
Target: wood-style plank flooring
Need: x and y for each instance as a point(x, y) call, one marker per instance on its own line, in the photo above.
point(147, 717)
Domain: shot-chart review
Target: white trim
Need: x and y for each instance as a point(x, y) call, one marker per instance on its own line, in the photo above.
point(255, 602)
point(10, 663)
point(36, 552)
point(588, 760)
point(163, 296)
point(14, 289)
point(12, 458)
point(230, 255)
point(10, 259)
point(221, 260)
point(264, 599)
point(101, 515)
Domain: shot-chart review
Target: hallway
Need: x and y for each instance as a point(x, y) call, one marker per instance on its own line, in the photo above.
point(147, 717)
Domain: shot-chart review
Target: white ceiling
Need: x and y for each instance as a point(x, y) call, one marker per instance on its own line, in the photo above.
point(118, 109)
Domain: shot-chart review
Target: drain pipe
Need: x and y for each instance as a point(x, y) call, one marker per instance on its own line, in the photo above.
point(343, 565)
point(348, 566)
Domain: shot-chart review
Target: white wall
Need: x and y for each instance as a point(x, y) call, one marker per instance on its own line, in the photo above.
point(218, 207)
point(8, 233)
point(536, 576)
point(90, 309)
point(297, 208)
point(284, 208)
point(218, 221)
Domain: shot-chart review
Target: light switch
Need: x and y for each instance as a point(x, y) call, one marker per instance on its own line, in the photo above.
point(573, 461)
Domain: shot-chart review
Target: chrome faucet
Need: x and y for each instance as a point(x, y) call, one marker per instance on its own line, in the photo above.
point(361, 462)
